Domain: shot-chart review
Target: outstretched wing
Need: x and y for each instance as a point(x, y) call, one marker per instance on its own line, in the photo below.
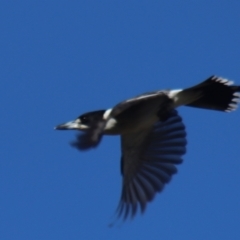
point(148, 162)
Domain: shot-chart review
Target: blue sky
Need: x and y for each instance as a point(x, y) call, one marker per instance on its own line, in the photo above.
point(62, 58)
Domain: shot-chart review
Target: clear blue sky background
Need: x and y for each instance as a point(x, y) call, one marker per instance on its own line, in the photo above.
point(59, 59)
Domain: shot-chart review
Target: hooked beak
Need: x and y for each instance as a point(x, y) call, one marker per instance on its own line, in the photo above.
point(72, 125)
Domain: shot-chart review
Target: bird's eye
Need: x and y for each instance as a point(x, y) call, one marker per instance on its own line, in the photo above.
point(84, 120)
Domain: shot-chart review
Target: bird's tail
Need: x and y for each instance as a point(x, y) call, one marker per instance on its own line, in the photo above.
point(215, 93)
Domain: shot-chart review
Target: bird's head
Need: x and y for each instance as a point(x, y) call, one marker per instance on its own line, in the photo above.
point(83, 122)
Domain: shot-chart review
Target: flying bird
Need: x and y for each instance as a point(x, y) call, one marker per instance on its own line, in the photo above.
point(153, 136)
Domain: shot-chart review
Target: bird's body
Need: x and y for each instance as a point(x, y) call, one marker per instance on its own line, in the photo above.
point(145, 110)
point(153, 137)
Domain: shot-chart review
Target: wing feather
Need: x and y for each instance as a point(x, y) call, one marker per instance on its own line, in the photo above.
point(148, 163)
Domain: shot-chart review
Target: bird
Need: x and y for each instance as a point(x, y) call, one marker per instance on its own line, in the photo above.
point(153, 135)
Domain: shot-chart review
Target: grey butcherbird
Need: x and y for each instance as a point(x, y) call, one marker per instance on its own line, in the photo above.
point(153, 137)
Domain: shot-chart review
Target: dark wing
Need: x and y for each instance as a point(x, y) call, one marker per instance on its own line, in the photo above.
point(91, 138)
point(148, 162)
point(147, 98)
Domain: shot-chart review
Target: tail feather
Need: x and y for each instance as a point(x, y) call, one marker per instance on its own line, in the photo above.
point(216, 94)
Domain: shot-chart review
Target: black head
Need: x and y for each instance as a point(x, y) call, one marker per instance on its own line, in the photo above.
point(83, 122)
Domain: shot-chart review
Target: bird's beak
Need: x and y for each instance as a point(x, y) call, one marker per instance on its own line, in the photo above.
point(68, 126)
